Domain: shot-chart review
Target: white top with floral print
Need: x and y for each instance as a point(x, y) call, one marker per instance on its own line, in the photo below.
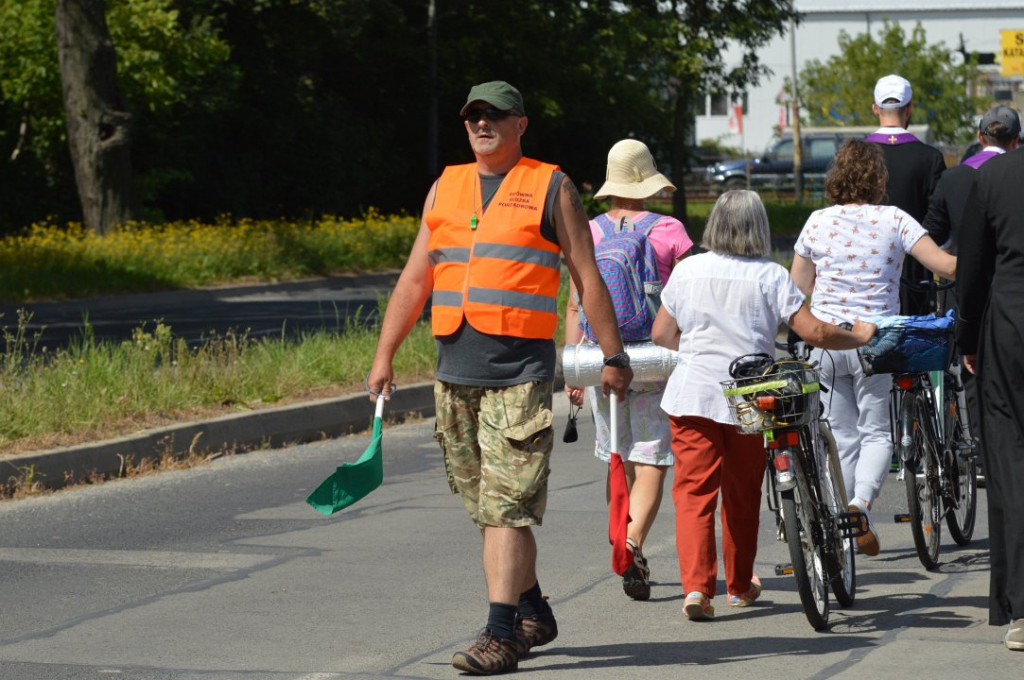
point(858, 253)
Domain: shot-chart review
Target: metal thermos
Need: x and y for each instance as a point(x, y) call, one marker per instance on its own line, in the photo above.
point(582, 363)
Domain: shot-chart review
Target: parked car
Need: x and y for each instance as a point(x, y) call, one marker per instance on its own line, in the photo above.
point(774, 169)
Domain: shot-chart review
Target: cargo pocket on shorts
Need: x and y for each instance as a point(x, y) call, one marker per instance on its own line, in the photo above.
point(531, 442)
point(444, 442)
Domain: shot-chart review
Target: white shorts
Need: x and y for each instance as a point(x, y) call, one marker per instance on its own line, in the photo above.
point(644, 433)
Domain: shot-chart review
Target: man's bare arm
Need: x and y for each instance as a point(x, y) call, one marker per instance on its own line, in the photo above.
point(405, 306)
point(573, 230)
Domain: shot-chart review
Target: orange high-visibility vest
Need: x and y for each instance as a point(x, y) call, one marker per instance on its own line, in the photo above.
point(503, 275)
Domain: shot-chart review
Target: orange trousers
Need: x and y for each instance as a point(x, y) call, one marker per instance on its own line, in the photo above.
point(712, 456)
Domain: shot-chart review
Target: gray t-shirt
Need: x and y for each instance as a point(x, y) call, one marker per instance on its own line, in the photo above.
point(469, 357)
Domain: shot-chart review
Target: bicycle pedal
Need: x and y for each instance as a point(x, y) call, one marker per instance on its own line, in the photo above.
point(851, 524)
point(783, 569)
point(901, 518)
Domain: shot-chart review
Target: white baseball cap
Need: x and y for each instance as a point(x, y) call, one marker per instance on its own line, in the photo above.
point(892, 87)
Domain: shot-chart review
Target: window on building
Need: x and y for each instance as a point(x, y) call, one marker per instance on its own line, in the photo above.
point(720, 104)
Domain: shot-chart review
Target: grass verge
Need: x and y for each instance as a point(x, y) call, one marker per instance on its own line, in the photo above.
point(97, 390)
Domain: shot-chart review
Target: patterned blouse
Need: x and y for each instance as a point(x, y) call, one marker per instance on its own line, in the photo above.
point(858, 253)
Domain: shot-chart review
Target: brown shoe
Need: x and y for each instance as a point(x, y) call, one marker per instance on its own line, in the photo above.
point(489, 655)
point(867, 539)
point(534, 631)
point(636, 582)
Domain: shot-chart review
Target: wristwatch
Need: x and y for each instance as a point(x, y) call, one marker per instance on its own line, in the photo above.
point(620, 360)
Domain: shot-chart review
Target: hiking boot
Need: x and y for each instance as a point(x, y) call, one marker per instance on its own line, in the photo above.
point(534, 631)
point(747, 598)
point(698, 607)
point(1015, 635)
point(867, 539)
point(636, 582)
point(489, 655)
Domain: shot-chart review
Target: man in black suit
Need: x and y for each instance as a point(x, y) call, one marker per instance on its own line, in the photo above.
point(914, 170)
point(998, 132)
point(990, 279)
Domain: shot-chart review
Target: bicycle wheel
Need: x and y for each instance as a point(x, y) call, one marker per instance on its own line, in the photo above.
point(922, 479)
point(960, 472)
point(842, 569)
point(805, 555)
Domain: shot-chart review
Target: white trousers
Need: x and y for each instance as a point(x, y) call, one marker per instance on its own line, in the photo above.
point(857, 408)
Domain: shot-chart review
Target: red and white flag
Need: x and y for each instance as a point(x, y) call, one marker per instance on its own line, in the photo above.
point(736, 119)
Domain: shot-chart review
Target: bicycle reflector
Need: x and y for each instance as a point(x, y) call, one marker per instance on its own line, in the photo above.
point(787, 440)
point(784, 477)
point(905, 382)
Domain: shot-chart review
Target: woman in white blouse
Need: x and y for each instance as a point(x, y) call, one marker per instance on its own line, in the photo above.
point(848, 259)
point(717, 306)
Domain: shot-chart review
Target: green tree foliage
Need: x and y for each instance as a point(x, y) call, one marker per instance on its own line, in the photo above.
point(693, 37)
point(163, 64)
point(840, 91)
point(293, 108)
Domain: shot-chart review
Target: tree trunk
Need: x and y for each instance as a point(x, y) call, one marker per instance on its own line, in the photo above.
point(97, 115)
point(679, 151)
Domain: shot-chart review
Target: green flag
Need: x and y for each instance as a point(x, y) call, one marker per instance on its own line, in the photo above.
point(352, 481)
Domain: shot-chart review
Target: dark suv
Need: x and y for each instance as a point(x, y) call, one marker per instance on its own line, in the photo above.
point(775, 168)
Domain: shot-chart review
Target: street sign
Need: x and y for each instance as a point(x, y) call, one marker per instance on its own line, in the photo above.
point(1013, 52)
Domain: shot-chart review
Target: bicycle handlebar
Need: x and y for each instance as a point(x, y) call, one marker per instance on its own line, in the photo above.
point(928, 285)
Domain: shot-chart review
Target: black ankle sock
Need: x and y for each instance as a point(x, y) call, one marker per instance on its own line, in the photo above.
point(532, 602)
point(501, 620)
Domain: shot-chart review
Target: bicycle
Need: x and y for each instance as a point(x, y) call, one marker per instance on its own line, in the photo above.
point(780, 399)
point(935, 446)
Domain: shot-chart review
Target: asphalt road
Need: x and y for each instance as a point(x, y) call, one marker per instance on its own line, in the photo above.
point(223, 572)
point(259, 310)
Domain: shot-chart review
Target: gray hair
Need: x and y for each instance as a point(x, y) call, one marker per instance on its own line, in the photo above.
point(738, 225)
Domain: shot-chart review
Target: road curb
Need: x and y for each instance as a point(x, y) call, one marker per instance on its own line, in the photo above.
point(237, 433)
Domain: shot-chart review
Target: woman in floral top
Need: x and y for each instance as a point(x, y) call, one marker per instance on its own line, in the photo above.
point(849, 258)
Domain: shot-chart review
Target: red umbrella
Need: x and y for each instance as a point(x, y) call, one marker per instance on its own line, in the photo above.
point(618, 505)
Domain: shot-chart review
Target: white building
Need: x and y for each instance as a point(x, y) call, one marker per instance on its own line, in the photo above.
point(978, 23)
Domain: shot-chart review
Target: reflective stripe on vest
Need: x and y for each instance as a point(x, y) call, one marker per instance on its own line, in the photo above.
point(503, 276)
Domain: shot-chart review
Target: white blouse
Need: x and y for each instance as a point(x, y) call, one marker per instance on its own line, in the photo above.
point(858, 253)
point(725, 307)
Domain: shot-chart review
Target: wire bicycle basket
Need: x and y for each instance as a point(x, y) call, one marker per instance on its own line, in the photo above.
point(787, 395)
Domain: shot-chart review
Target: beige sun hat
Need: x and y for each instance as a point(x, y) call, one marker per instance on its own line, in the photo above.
point(632, 173)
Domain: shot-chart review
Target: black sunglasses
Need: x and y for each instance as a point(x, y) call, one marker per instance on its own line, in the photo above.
point(492, 114)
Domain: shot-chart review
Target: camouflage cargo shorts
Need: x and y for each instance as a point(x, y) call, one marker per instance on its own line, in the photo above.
point(497, 445)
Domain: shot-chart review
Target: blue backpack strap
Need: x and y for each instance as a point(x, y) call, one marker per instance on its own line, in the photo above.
point(647, 223)
point(606, 224)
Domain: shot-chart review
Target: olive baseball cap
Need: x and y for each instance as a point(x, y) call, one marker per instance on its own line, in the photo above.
point(498, 94)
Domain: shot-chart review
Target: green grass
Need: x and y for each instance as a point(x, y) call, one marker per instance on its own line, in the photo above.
point(48, 262)
point(94, 390)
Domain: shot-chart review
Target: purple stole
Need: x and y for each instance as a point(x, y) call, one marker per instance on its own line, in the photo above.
point(891, 139)
point(978, 159)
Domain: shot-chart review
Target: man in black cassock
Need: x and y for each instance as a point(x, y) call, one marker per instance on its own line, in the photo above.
point(914, 170)
point(990, 276)
point(998, 132)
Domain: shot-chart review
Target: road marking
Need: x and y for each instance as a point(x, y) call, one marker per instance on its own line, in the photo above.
point(135, 558)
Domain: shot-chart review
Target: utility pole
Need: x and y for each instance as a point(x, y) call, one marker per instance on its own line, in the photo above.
point(798, 156)
point(432, 91)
